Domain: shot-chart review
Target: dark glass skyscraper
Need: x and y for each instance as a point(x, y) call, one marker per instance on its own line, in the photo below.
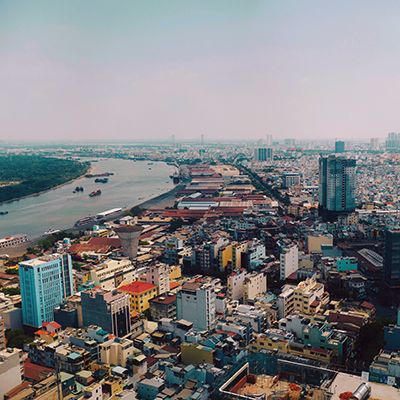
point(337, 184)
point(392, 258)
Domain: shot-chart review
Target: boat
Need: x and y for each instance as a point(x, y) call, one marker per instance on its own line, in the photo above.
point(99, 175)
point(3, 212)
point(78, 189)
point(108, 213)
point(101, 180)
point(51, 231)
point(84, 221)
point(95, 193)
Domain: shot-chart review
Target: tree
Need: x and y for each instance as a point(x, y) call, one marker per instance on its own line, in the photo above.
point(17, 338)
point(11, 291)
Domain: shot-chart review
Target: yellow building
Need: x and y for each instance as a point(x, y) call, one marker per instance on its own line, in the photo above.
point(140, 293)
point(194, 353)
point(175, 272)
point(274, 341)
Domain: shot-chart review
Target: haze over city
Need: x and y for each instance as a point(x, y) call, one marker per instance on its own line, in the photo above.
point(231, 70)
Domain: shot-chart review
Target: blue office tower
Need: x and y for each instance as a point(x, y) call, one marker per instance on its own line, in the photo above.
point(45, 282)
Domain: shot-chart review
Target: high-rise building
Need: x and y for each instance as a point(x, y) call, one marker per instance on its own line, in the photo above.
point(108, 309)
point(289, 261)
point(195, 302)
point(263, 154)
point(393, 142)
point(45, 282)
point(290, 179)
point(269, 140)
point(337, 184)
point(339, 146)
point(392, 258)
point(374, 143)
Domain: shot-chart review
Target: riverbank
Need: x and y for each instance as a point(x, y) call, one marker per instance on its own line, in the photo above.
point(88, 170)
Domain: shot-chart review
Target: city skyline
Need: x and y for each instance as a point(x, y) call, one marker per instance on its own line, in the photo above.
point(146, 71)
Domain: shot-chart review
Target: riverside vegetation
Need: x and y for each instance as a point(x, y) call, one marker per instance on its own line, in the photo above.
point(24, 175)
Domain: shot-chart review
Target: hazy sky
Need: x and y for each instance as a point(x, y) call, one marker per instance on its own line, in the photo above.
point(94, 69)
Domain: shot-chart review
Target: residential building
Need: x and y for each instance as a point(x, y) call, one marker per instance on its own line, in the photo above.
point(263, 154)
point(163, 306)
point(112, 273)
point(289, 261)
point(254, 285)
point(140, 294)
point(337, 184)
point(107, 309)
point(116, 351)
point(10, 370)
point(45, 282)
point(308, 297)
point(195, 302)
point(159, 275)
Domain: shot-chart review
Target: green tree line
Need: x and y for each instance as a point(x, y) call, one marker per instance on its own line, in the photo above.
point(34, 174)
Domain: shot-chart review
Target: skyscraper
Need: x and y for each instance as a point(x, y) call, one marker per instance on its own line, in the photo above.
point(337, 184)
point(393, 142)
point(339, 146)
point(392, 258)
point(45, 282)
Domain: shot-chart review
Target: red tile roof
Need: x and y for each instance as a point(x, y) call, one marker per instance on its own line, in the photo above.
point(96, 245)
point(35, 372)
point(137, 287)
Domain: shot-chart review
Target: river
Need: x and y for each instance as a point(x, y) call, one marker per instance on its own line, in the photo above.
point(59, 208)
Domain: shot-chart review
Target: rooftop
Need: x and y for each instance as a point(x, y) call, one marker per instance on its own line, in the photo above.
point(137, 287)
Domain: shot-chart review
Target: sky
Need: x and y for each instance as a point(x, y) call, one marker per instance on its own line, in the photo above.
point(228, 69)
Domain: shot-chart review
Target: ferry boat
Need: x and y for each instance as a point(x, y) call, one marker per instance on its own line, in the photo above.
point(95, 193)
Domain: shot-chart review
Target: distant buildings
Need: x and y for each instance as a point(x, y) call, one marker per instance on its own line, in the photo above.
point(195, 302)
point(45, 282)
point(339, 146)
point(337, 184)
point(393, 142)
point(107, 309)
point(392, 258)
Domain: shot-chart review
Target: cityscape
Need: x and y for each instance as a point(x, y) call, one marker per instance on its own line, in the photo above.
point(169, 233)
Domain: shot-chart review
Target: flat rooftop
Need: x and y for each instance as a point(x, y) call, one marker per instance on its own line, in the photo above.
point(349, 383)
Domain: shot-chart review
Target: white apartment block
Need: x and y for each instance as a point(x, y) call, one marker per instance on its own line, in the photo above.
point(289, 261)
point(159, 275)
point(255, 285)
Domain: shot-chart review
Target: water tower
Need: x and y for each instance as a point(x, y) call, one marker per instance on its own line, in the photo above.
point(129, 236)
